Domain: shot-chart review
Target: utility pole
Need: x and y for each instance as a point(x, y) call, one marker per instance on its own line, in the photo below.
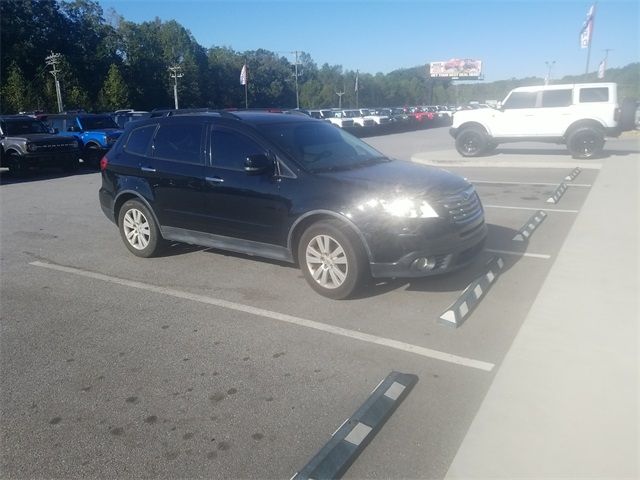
point(52, 61)
point(176, 73)
point(549, 65)
point(340, 99)
point(296, 74)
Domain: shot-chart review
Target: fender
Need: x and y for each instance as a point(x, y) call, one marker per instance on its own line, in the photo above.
point(335, 215)
point(133, 193)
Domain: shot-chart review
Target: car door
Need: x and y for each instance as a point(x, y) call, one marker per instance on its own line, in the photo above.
point(175, 173)
point(517, 117)
point(553, 117)
point(242, 205)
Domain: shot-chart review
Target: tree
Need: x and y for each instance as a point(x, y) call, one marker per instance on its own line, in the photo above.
point(114, 93)
point(15, 94)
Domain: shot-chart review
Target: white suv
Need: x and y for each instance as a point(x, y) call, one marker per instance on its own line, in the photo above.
point(577, 115)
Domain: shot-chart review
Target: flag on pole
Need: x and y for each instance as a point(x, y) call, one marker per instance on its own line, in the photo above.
point(602, 67)
point(356, 87)
point(587, 28)
point(243, 75)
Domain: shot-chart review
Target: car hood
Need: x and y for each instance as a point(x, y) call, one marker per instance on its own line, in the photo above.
point(108, 132)
point(400, 177)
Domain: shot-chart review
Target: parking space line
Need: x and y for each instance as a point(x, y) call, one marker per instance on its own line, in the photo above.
point(556, 210)
point(365, 337)
point(543, 256)
point(536, 184)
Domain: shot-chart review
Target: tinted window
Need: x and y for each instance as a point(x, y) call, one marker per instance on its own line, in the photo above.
point(97, 123)
point(231, 149)
point(557, 98)
point(138, 141)
point(521, 100)
point(24, 127)
point(595, 94)
point(180, 142)
point(57, 123)
point(319, 146)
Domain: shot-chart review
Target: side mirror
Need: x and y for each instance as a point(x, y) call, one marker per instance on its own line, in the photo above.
point(258, 164)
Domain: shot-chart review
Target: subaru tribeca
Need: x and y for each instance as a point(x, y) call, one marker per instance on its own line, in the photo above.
point(290, 188)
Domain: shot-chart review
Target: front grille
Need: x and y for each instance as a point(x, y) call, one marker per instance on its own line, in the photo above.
point(463, 207)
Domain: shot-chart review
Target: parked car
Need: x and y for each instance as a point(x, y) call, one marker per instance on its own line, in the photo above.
point(290, 188)
point(358, 119)
point(336, 118)
point(95, 133)
point(577, 115)
point(377, 118)
point(122, 117)
point(26, 142)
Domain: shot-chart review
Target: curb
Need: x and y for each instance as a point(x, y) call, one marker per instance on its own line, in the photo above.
point(576, 171)
point(456, 314)
point(527, 230)
point(557, 195)
point(346, 443)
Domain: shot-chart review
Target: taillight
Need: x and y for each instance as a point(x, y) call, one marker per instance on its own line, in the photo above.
point(104, 161)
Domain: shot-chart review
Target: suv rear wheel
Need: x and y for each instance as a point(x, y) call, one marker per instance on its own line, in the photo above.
point(586, 142)
point(472, 142)
point(332, 260)
point(139, 230)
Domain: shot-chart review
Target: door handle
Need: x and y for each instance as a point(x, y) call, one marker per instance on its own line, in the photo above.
point(147, 169)
point(214, 179)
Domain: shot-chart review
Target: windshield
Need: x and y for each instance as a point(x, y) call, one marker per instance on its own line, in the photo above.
point(320, 147)
point(98, 123)
point(23, 127)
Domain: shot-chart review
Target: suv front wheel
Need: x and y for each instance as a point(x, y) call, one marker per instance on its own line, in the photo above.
point(139, 230)
point(472, 142)
point(586, 142)
point(332, 260)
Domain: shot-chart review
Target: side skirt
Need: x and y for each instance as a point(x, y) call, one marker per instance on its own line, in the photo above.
point(237, 245)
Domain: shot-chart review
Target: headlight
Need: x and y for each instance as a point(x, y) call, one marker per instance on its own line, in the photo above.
point(402, 207)
point(31, 147)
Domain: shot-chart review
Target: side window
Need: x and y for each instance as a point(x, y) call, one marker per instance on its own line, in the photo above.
point(230, 149)
point(594, 94)
point(521, 100)
point(138, 141)
point(57, 123)
point(557, 98)
point(179, 142)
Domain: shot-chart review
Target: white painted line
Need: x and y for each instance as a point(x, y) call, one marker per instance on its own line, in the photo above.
point(557, 210)
point(538, 184)
point(543, 256)
point(364, 337)
point(345, 421)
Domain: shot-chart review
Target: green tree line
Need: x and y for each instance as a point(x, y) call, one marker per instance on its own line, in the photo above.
point(111, 63)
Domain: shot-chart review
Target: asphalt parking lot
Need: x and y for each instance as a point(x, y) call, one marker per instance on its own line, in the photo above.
point(203, 363)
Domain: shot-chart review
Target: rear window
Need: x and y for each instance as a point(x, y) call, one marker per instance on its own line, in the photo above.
point(138, 141)
point(521, 100)
point(557, 98)
point(594, 94)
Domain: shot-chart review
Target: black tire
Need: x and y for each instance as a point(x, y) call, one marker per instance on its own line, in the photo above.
point(71, 165)
point(491, 147)
point(586, 142)
point(472, 142)
point(92, 155)
point(332, 260)
point(17, 167)
point(139, 230)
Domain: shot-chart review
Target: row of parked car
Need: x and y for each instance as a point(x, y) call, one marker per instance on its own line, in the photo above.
point(65, 139)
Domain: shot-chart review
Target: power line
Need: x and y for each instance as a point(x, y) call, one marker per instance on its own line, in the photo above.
point(176, 73)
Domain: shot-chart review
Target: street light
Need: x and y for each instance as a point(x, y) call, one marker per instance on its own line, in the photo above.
point(549, 67)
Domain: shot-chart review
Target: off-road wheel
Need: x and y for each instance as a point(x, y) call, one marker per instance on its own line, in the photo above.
point(586, 142)
point(472, 142)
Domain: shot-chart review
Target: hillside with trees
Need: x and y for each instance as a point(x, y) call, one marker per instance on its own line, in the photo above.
point(107, 64)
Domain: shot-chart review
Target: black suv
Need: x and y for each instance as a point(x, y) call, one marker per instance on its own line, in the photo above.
point(291, 188)
point(26, 142)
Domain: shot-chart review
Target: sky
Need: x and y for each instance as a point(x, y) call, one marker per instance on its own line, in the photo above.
point(516, 38)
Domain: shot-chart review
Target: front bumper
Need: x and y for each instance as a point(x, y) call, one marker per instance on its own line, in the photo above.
point(447, 256)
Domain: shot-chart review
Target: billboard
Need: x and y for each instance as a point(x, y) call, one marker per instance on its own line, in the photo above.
point(457, 69)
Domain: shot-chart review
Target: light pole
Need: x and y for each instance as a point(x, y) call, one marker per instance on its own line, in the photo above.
point(340, 99)
point(549, 67)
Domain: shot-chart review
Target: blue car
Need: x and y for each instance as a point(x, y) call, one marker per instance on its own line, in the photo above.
point(96, 134)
